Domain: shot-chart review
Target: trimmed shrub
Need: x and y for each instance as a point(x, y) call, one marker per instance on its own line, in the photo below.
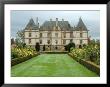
point(37, 47)
point(93, 67)
point(90, 65)
point(69, 46)
point(19, 60)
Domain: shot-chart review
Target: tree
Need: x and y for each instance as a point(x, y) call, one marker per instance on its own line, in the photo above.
point(20, 35)
point(71, 44)
point(98, 42)
point(37, 47)
point(80, 46)
point(24, 45)
point(43, 47)
point(68, 47)
point(18, 43)
point(12, 41)
point(92, 42)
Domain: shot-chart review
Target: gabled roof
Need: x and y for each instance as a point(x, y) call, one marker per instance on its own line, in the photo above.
point(31, 24)
point(48, 25)
point(81, 25)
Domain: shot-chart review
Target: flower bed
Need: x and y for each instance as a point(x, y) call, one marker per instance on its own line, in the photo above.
point(89, 53)
point(19, 55)
point(89, 56)
point(22, 52)
point(19, 60)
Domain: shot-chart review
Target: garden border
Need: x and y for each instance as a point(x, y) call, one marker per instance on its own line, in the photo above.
point(16, 61)
point(93, 67)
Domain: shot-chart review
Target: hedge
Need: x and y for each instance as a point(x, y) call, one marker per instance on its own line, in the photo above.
point(20, 60)
point(90, 65)
point(56, 52)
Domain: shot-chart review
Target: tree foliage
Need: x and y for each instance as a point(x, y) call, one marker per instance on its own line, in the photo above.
point(20, 35)
point(12, 41)
point(69, 46)
point(37, 47)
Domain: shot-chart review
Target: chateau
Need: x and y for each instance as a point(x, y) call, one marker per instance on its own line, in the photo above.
point(55, 34)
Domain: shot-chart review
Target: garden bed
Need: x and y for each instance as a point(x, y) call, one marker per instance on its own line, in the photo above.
point(90, 65)
point(20, 60)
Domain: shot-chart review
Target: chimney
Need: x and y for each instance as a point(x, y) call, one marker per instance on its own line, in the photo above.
point(56, 22)
point(37, 21)
point(50, 19)
point(38, 25)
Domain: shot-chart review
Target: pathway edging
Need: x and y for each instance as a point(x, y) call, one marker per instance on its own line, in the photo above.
point(87, 64)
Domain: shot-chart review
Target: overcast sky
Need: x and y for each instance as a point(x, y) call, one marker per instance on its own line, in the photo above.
point(19, 19)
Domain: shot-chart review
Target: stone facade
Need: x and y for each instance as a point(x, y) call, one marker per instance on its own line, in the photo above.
point(55, 34)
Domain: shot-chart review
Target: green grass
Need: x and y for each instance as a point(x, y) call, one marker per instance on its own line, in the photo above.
point(46, 65)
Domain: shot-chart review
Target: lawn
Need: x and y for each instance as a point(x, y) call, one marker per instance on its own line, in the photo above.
point(51, 65)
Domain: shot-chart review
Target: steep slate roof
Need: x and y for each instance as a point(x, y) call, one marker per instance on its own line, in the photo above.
point(48, 25)
point(81, 26)
point(64, 25)
point(31, 24)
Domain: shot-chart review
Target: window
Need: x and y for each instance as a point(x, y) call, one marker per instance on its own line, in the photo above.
point(40, 41)
point(56, 47)
point(81, 34)
point(40, 34)
point(29, 34)
point(29, 41)
point(64, 41)
point(71, 34)
point(80, 41)
point(56, 34)
point(56, 41)
point(71, 40)
point(48, 34)
point(48, 41)
point(64, 35)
